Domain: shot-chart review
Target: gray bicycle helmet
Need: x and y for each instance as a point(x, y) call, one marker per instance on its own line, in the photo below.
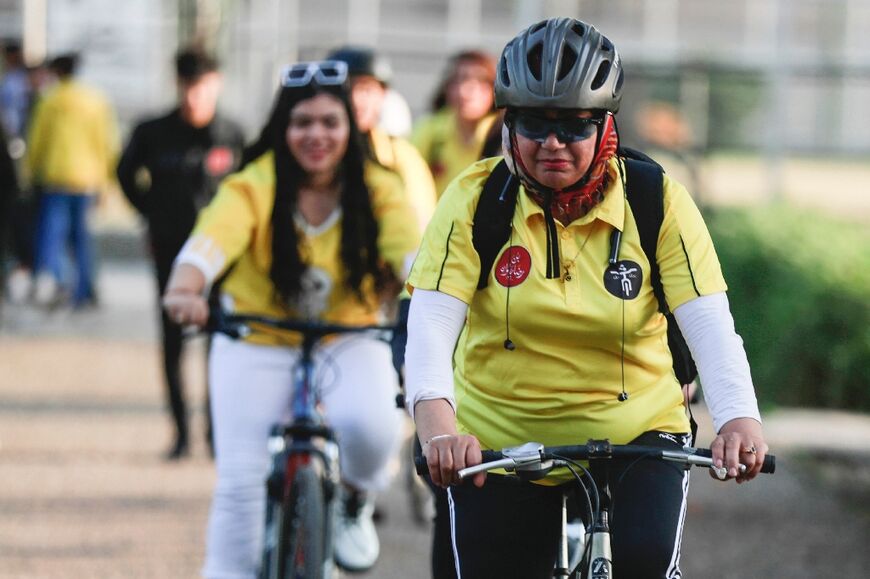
point(560, 63)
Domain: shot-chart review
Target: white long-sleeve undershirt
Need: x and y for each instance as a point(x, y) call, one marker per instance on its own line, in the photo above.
point(708, 328)
point(436, 320)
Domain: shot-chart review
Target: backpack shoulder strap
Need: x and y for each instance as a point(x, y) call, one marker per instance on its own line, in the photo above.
point(645, 193)
point(491, 227)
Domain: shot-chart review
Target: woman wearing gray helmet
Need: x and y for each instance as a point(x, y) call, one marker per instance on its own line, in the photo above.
point(559, 338)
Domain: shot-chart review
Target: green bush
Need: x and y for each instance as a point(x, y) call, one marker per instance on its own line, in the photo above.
point(799, 286)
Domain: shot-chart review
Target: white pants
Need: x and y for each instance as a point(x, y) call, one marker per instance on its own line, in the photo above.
point(251, 388)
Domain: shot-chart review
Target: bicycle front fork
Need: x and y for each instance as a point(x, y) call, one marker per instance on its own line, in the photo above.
point(598, 564)
point(284, 452)
point(600, 556)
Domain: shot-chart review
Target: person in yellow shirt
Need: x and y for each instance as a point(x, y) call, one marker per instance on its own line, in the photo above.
point(561, 339)
point(312, 232)
point(72, 148)
point(452, 138)
point(370, 75)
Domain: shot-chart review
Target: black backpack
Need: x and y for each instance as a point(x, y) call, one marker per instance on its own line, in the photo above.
point(644, 189)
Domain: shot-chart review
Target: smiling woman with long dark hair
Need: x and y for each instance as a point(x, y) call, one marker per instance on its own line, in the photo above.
point(307, 229)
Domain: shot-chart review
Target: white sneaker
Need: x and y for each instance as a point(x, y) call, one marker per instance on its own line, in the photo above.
point(18, 286)
point(45, 290)
point(356, 540)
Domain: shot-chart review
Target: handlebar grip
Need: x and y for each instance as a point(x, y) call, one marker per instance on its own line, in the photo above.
point(491, 455)
point(767, 467)
point(422, 467)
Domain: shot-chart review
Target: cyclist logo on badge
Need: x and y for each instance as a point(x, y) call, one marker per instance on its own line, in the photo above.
point(513, 266)
point(623, 279)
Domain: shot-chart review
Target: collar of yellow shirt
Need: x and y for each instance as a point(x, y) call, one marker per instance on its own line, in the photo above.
point(611, 209)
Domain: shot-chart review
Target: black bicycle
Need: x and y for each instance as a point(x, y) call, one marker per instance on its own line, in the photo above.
point(304, 479)
point(533, 461)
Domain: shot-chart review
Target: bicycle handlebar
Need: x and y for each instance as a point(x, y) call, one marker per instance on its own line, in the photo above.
point(239, 325)
point(533, 457)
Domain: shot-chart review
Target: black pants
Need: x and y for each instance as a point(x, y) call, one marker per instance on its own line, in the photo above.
point(510, 528)
point(173, 342)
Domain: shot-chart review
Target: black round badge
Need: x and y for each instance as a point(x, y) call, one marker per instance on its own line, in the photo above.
point(623, 279)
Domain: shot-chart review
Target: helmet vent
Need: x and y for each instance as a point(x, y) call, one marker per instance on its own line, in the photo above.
point(504, 74)
point(601, 75)
point(578, 29)
point(606, 45)
point(534, 58)
point(569, 59)
point(537, 27)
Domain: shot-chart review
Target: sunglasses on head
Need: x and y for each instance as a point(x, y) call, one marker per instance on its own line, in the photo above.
point(566, 129)
point(323, 72)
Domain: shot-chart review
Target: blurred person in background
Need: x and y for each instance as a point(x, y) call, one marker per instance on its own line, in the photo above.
point(8, 193)
point(370, 76)
point(396, 119)
point(15, 96)
point(311, 229)
point(25, 206)
point(451, 138)
point(169, 170)
point(72, 148)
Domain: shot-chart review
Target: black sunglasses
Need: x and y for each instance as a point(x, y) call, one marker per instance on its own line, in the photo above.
point(566, 129)
point(324, 72)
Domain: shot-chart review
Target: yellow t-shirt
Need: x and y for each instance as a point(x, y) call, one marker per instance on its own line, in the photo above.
point(560, 385)
point(236, 228)
point(438, 140)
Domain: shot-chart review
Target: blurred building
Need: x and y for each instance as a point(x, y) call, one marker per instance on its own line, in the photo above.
point(774, 75)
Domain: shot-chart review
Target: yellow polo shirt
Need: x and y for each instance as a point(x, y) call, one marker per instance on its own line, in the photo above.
point(560, 385)
point(437, 138)
point(236, 228)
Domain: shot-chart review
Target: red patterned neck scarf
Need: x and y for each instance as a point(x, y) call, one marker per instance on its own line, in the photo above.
point(571, 204)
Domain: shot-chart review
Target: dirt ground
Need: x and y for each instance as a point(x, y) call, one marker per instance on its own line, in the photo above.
point(85, 494)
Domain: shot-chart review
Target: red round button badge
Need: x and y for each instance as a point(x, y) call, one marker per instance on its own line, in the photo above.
point(513, 266)
point(219, 161)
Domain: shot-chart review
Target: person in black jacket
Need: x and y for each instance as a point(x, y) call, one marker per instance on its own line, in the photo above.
point(8, 193)
point(169, 170)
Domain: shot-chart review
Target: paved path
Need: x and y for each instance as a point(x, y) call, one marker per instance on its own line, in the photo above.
point(83, 492)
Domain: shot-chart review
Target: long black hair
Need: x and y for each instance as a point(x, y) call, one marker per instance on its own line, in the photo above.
point(359, 229)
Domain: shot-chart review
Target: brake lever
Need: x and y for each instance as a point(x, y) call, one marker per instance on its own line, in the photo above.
point(722, 473)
